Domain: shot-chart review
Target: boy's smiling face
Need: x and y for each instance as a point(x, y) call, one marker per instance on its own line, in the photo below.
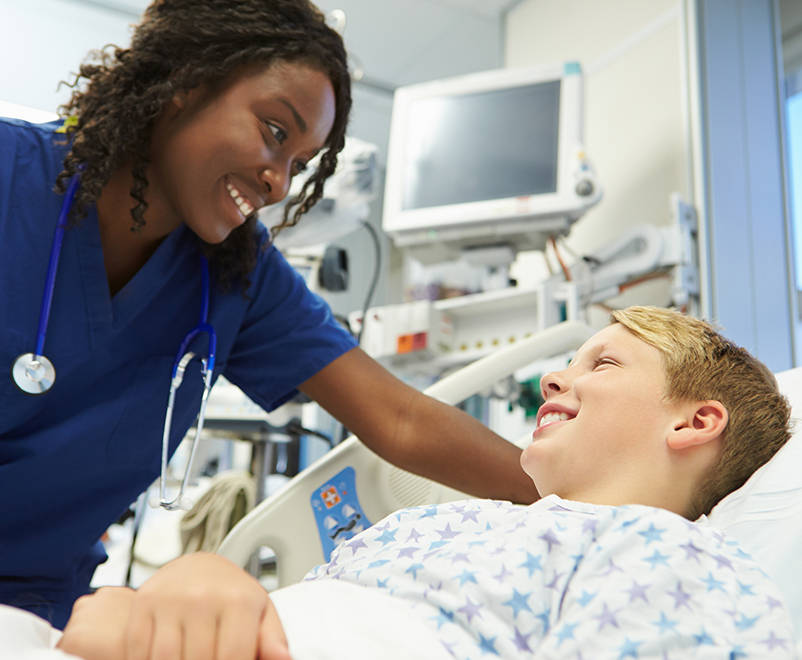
point(603, 428)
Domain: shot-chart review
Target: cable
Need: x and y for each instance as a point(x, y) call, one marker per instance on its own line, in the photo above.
point(566, 272)
point(376, 271)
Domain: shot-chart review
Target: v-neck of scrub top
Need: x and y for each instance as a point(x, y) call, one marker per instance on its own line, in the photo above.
point(107, 314)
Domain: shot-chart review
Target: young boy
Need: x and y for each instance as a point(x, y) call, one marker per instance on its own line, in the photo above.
point(655, 419)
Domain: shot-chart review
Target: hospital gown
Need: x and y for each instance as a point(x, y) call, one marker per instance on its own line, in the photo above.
point(561, 579)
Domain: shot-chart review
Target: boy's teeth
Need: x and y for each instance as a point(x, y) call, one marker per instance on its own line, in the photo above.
point(244, 205)
point(553, 417)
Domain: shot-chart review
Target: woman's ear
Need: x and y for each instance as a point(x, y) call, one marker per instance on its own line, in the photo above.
point(181, 99)
point(703, 421)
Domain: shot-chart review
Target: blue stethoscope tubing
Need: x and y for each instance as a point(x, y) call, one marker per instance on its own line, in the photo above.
point(35, 374)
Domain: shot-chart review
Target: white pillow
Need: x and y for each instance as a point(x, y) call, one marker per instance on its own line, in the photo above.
point(765, 514)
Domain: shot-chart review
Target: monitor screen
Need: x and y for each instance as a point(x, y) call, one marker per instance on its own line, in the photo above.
point(484, 146)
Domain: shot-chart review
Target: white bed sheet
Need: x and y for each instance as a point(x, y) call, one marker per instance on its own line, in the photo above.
point(25, 636)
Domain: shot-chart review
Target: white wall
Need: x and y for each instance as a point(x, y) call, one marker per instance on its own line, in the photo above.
point(635, 111)
point(43, 41)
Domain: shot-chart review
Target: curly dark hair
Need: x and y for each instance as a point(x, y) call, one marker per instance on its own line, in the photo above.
point(179, 45)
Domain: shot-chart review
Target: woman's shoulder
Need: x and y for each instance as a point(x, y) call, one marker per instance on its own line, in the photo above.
point(36, 145)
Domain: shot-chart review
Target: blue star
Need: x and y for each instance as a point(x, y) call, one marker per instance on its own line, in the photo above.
point(585, 598)
point(629, 648)
point(487, 645)
point(532, 563)
point(567, 632)
point(652, 534)
point(387, 537)
point(377, 563)
point(627, 524)
point(746, 589)
point(657, 558)
point(703, 638)
point(382, 584)
point(437, 544)
point(518, 602)
point(713, 584)
point(665, 624)
point(521, 641)
point(742, 555)
point(428, 512)
point(737, 652)
point(414, 570)
point(466, 576)
point(544, 619)
point(443, 617)
point(746, 623)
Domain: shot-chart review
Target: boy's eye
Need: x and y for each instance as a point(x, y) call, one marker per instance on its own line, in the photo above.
point(602, 361)
point(300, 167)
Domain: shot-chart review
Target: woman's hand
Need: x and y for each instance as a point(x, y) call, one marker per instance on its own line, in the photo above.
point(96, 630)
point(197, 607)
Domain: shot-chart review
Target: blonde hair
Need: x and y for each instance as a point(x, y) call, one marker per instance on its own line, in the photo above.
point(701, 364)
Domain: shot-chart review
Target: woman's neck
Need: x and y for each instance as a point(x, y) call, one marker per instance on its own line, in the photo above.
point(125, 251)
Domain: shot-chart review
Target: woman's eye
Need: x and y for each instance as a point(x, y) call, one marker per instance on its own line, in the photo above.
point(278, 133)
point(602, 361)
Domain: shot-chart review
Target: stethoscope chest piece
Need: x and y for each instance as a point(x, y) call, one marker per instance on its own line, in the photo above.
point(33, 374)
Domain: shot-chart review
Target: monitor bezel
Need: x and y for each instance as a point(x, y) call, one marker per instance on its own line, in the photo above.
point(403, 223)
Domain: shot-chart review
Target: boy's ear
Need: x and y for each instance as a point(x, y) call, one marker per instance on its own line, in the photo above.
point(702, 422)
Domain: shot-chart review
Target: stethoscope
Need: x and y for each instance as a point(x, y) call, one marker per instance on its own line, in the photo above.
point(34, 374)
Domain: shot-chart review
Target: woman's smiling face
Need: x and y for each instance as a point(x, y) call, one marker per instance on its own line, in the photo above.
point(604, 421)
point(220, 154)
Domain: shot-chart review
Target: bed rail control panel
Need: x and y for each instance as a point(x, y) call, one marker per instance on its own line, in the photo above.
point(338, 514)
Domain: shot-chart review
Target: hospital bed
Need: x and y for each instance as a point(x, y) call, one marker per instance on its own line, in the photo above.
point(765, 515)
point(299, 521)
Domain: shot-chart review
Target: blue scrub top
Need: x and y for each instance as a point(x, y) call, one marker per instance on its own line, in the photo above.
point(74, 458)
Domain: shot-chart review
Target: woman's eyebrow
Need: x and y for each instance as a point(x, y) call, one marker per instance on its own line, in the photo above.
point(296, 115)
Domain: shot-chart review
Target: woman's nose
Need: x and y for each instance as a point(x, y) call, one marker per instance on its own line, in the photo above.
point(277, 181)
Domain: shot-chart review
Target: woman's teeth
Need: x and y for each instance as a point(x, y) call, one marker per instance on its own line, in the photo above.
point(243, 204)
point(553, 417)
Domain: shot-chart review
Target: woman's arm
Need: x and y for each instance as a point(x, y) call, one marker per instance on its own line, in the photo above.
point(418, 433)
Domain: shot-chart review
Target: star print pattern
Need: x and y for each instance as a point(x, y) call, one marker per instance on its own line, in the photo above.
point(566, 580)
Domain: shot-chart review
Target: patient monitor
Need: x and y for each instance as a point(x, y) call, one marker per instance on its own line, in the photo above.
point(487, 159)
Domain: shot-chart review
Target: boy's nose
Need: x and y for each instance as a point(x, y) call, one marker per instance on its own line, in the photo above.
point(551, 383)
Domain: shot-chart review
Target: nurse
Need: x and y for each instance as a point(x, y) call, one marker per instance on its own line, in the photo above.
point(178, 141)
